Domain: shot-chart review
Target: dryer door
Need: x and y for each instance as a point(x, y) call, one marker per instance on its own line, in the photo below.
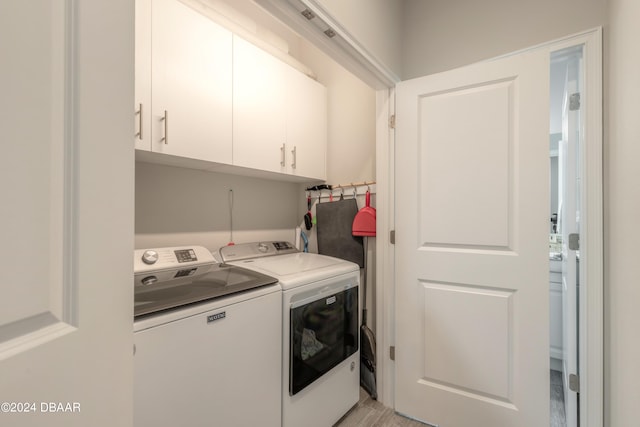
point(323, 333)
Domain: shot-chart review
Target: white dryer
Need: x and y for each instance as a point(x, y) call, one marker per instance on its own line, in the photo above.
point(321, 354)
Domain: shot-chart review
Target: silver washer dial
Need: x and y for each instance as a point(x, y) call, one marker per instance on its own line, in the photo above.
point(263, 247)
point(150, 257)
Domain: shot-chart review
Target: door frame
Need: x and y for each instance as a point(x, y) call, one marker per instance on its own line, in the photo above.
point(591, 303)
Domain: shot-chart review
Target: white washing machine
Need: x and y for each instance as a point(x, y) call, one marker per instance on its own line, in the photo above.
point(207, 342)
point(320, 329)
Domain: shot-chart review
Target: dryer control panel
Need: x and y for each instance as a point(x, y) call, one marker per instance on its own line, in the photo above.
point(255, 250)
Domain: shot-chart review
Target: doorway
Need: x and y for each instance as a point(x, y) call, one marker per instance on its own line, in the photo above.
point(565, 142)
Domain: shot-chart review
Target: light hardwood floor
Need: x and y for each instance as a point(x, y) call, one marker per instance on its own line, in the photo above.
point(557, 400)
point(371, 413)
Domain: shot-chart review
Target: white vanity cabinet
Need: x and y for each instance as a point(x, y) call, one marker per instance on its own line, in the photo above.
point(555, 314)
point(184, 67)
point(279, 115)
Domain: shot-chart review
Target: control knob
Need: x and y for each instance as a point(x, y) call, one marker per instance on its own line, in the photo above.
point(263, 247)
point(149, 280)
point(150, 257)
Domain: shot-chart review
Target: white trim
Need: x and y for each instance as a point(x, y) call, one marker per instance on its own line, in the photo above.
point(575, 39)
point(33, 332)
point(364, 56)
point(591, 302)
point(385, 251)
point(71, 308)
point(343, 47)
point(592, 246)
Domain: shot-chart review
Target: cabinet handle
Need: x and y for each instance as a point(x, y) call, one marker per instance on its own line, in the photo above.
point(282, 161)
point(165, 138)
point(293, 152)
point(139, 113)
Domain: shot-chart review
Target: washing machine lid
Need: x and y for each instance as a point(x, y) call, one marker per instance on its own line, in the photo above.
point(291, 268)
point(176, 277)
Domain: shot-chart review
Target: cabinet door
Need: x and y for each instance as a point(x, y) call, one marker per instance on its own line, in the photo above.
point(258, 108)
point(306, 126)
point(191, 84)
point(555, 319)
point(142, 105)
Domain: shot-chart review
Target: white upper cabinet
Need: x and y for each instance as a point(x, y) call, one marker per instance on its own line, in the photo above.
point(143, 75)
point(306, 126)
point(212, 99)
point(259, 101)
point(191, 82)
point(279, 115)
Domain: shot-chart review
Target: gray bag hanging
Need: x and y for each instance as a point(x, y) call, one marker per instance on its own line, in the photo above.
point(334, 228)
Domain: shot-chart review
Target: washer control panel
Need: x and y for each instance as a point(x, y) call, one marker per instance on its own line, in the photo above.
point(255, 250)
point(164, 258)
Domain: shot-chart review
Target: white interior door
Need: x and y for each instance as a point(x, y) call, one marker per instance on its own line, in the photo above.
point(569, 224)
point(66, 217)
point(472, 297)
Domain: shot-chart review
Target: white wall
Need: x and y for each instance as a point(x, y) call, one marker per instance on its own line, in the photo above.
point(351, 120)
point(376, 24)
point(178, 206)
point(441, 35)
point(622, 212)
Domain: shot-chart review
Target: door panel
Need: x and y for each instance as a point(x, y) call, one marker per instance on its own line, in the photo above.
point(472, 330)
point(450, 317)
point(452, 155)
point(66, 221)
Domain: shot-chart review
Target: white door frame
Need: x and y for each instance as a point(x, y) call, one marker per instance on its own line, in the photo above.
point(591, 322)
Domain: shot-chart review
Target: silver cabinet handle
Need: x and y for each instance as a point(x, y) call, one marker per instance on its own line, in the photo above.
point(293, 152)
point(139, 113)
point(282, 161)
point(165, 138)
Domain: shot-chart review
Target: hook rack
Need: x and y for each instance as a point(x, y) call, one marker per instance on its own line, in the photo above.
point(330, 189)
point(335, 187)
point(357, 184)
